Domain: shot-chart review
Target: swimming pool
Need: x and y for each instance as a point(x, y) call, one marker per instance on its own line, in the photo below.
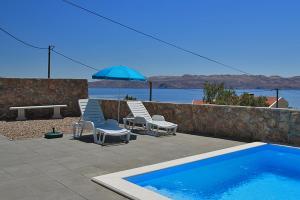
point(251, 171)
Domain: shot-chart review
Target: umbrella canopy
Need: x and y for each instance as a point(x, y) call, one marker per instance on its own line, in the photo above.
point(119, 73)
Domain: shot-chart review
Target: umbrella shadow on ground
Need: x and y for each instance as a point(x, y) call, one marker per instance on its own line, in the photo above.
point(141, 131)
point(108, 140)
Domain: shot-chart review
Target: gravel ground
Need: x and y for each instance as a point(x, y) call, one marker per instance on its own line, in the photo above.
point(35, 128)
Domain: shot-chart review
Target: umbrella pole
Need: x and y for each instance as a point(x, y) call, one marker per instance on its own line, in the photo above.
point(119, 104)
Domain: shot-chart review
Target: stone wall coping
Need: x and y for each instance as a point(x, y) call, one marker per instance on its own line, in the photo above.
point(205, 105)
point(42, 78)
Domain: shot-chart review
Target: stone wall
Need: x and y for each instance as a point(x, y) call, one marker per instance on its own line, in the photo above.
point(34, 92)
point(235, 122)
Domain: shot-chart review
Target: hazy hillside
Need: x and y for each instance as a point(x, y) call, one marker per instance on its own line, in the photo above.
point(197, 81)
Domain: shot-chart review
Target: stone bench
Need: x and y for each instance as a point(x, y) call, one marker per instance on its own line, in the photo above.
point(21, 110)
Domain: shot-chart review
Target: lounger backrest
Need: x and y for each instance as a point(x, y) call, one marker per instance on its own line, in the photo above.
point(91, 111)
point(138, 109)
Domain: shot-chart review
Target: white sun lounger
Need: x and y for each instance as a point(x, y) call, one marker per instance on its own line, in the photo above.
point(91, 114)
point(140, 115)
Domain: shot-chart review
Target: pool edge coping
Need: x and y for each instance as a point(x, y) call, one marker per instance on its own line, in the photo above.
point(116, 182)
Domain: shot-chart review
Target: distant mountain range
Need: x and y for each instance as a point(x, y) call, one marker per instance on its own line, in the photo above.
point(197, 81)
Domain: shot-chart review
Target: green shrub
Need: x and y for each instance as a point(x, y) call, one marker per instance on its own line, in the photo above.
point(127, 97)
point(215, 93)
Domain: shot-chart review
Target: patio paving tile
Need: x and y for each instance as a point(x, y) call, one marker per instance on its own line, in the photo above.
point(62, 168)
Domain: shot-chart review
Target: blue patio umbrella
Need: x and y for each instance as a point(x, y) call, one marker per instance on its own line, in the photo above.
point(119, 73)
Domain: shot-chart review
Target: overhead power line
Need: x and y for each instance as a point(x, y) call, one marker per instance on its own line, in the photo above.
point(73, 60)
point(22, 41)
point(44, 48)
point(153, 37)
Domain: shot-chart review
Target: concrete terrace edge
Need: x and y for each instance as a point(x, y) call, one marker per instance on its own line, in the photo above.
point(116, 182)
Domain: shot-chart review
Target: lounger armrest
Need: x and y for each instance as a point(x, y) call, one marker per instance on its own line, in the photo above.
point(139, 120)
point(86, 123)
point(158, 118)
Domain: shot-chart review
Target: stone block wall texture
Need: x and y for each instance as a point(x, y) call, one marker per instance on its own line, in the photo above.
point(35, 92)
point(235, 122)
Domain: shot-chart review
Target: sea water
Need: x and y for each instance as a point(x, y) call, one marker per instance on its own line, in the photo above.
point(184, 95)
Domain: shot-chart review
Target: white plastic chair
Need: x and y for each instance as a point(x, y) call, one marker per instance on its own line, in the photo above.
point(92, 115)
point(140, 115)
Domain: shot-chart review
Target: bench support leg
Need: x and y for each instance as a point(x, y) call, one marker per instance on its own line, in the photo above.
point(21, 115)
point(56, 113)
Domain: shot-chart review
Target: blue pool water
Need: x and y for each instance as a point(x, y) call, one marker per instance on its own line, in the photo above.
point(264, 172)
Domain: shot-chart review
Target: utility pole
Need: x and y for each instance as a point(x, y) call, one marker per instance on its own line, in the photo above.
point(150, 90)
point(50, 47)
point(277, 97)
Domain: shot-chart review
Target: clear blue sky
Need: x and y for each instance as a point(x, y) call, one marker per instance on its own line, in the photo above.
point(257, 36)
